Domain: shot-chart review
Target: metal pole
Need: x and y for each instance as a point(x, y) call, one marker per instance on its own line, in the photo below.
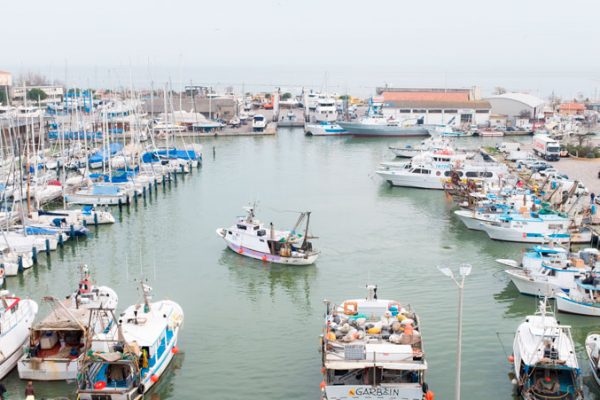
point(459, 339)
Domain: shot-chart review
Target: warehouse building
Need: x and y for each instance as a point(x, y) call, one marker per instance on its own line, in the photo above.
point(457, 107)
point(517, 105)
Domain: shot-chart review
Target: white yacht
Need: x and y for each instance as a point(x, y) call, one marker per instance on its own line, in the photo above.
point(433, 170)
point(429, 144)
point(56, 342)
point(545, 360)
point(16, 317)
point(259, 123)
point(372, 348)
point(249, 237)
point(326, 110)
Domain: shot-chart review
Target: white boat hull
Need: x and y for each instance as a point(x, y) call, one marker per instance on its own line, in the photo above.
point(469, 220)
point(13, 339)
point(38, 369)
point(412, 180)
point(513, 235)
point(528, 285)
point(565, 304)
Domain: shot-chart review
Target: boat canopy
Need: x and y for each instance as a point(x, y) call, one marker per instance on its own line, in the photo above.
point(105, 190)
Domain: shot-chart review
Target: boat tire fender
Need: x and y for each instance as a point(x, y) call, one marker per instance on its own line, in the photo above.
point(141, 389)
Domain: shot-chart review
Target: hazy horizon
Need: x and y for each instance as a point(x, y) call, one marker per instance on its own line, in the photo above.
point(350, 46)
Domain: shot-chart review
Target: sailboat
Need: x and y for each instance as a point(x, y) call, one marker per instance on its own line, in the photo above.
point(249, 237)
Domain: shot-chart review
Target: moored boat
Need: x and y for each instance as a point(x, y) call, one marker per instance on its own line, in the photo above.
point(16, 317)
point(372, 348)
point(544, 359)
point(128, 362)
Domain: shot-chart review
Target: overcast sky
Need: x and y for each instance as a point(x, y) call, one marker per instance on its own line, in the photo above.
point(528, 45)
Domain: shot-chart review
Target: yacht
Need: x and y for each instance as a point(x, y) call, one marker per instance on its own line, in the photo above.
point(16, 317)
point(249, 237)
point(56, 342)
point(372, 348)
point(259, 123)
point(430, 144)
point(544, 359)
point(432, 170)
point(127, 362)
point(326, 110)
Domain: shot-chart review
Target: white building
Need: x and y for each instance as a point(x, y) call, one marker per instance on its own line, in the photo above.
point(5, 78)
point(514, 105)
point(440, 112)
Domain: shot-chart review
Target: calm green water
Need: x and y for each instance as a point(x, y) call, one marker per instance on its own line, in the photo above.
point(251, 330)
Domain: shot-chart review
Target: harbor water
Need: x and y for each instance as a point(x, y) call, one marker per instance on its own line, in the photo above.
point(252, 329)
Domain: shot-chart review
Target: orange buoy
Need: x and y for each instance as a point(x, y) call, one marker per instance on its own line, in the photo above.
point(264, 258)
point(241, 251)
point(322, 385)
point(154, 378)
point(323, 370)
point(511, 359)
point(99, 385)
point(429, 395)
point(175, 350)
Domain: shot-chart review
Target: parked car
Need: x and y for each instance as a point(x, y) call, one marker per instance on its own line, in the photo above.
point(538, 166)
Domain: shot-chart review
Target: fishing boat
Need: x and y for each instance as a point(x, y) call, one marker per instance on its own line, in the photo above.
point(16, 317)
point(374, 124)
point(583, 299)
point(430, 144)
point(324, 129)
point(249, 237)
point(592, 348)
point(126, 363)
point(56, 342)
point(372, 348)
point(528, 228)
point(544, 358)
point(548, 281)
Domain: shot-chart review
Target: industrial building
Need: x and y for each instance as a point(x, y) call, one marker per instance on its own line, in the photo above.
point(436, 106)
point(513, 106)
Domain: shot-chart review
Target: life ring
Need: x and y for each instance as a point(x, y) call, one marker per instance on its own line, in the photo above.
point(350, 308)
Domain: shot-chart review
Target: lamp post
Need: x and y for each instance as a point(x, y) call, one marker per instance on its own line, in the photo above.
point(464, 270)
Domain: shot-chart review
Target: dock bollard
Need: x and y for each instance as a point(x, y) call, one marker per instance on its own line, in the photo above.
point(84, 223)
point(71, 231)
point(20, 263)
point(164, 180)
point(95, 219)
point(182, 169)
point(155, 183)
point(34, 255)
point(120, 205)
point(144, 192)
point(60, 240)
point(47, 246)
point(135, 196)
point(175, 176)
point(127, 200)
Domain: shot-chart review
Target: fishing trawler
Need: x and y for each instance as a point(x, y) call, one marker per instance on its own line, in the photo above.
point(249, 237)
point(16, 318)
point(56, 342)
point(372, 348)
point(125, 363)
point(583, 299)
point(544, 358)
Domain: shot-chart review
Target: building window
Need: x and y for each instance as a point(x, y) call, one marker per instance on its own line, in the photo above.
point(482, 111)
point(450, 111)
point(404, 111)
point(435, 111)
point(419, 111)
point(466, 117)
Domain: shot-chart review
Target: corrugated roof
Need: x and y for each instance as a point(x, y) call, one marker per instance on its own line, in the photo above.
point(443, 105)
point(527, 99)
point(426, 96)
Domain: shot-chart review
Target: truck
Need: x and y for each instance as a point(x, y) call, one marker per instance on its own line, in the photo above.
point(546, 147)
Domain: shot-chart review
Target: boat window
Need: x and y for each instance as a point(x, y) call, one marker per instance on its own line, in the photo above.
point(416, 171)
point(229, 232)
point(487, 174)
point(447, 173)
point(256, 227)
point(240, 226)
point(425, 171)
point(261, 232)
point(472, 174)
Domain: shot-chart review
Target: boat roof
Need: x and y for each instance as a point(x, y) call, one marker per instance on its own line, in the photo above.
point(587, 286)
point(146, 327)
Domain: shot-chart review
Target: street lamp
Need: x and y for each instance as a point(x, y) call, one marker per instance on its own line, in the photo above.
point(464, 270)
